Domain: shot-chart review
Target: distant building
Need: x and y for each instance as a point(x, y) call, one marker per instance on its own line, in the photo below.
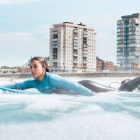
point(8, 70)
point(108, 66)
point(48, 60)
point(128, 42)
point(99, 64)
point(72, 47)
point(102, 65)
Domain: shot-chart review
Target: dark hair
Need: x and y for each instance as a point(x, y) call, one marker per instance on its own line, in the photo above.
point(42, 61)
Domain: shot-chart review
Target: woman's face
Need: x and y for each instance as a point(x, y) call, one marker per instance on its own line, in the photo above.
point(37, 70)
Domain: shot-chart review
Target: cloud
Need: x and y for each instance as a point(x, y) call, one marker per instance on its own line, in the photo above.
point(14, 1)
point(27, 40)
point(17, 48)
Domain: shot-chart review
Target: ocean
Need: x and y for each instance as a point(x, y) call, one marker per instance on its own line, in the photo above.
point(104, 116)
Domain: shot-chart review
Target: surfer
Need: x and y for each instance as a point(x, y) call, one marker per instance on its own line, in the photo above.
point(47, 82)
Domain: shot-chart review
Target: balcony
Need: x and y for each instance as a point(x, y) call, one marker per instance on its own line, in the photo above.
point(134, 37)
point(119, 30)
point(85, 49)
point(75, 54)
point(84, 39)
point(85, 35)
point(75, 61)
point(55, 47)
point(119, 62)
point(85, 55)
point(75, 48)
point(120, 38)
point(85, 45)
point(131, 57)
point(76, 38)
point(119, 53)
point(54, 60)
point(119, 35)
point(136, 21)
point(75, 41)
point(135, 62)
point(120, 27)
point(84, 62)
point(75, 30)
point(134, 31)
point(134, 45)
point(55, 39)
point(120, 22)
point(54, 31)
point(135, 28)
point(84, 66)
point(120, 57)
point(85, 32)
point(54, 66)
point(54, 54)
point(54, 43)
point(137, 54)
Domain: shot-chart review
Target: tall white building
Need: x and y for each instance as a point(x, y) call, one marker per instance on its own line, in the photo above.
point(72, 47)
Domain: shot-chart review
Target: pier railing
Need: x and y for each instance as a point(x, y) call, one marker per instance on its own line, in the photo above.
point(75, 74)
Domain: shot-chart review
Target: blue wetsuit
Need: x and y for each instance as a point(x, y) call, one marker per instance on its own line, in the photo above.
point(49, 83)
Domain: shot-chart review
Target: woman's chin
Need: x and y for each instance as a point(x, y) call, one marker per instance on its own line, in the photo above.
point(34, 76)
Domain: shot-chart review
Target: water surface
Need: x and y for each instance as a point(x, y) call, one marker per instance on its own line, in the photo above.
point(104, 116)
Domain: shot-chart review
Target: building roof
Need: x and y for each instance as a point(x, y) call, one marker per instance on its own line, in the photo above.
point(68, 22)
point(72, 24)
point(98, 59)
point(131, 16)
point(81, 24)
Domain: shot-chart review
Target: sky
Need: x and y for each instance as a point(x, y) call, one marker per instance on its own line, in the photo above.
point(24, 25)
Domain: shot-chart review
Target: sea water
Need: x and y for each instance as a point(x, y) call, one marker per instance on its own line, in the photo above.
point(104, 116)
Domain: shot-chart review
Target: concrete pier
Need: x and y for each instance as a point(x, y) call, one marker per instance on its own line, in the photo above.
point(95, 74)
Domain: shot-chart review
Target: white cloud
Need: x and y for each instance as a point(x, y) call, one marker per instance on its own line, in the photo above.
point(14, 1)
point(17, 48)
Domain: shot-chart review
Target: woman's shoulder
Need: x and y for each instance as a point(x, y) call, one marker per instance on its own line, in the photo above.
point(31, 81)
point(53, 75)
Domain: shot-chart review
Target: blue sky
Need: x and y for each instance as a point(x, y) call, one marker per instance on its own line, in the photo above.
point(24, 25)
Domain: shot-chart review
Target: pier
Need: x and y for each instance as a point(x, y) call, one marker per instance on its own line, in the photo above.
point(93, 74)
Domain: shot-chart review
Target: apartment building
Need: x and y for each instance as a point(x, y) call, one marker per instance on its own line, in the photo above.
point(108, 65)
point(72, 47)
point(99, 64)
point(104, 65)
point(128, 42)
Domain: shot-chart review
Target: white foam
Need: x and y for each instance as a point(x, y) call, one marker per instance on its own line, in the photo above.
point(104, 116)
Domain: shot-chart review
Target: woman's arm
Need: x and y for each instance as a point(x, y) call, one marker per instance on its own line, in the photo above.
point(20, 85)
point(60, 82)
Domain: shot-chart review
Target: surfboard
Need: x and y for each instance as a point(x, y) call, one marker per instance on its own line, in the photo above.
point(20, 91)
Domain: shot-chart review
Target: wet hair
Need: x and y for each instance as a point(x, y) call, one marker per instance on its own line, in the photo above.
point(42, 61)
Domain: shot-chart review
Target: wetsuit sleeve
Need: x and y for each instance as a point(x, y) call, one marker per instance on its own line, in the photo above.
point(60, 82)
point(20, 85)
